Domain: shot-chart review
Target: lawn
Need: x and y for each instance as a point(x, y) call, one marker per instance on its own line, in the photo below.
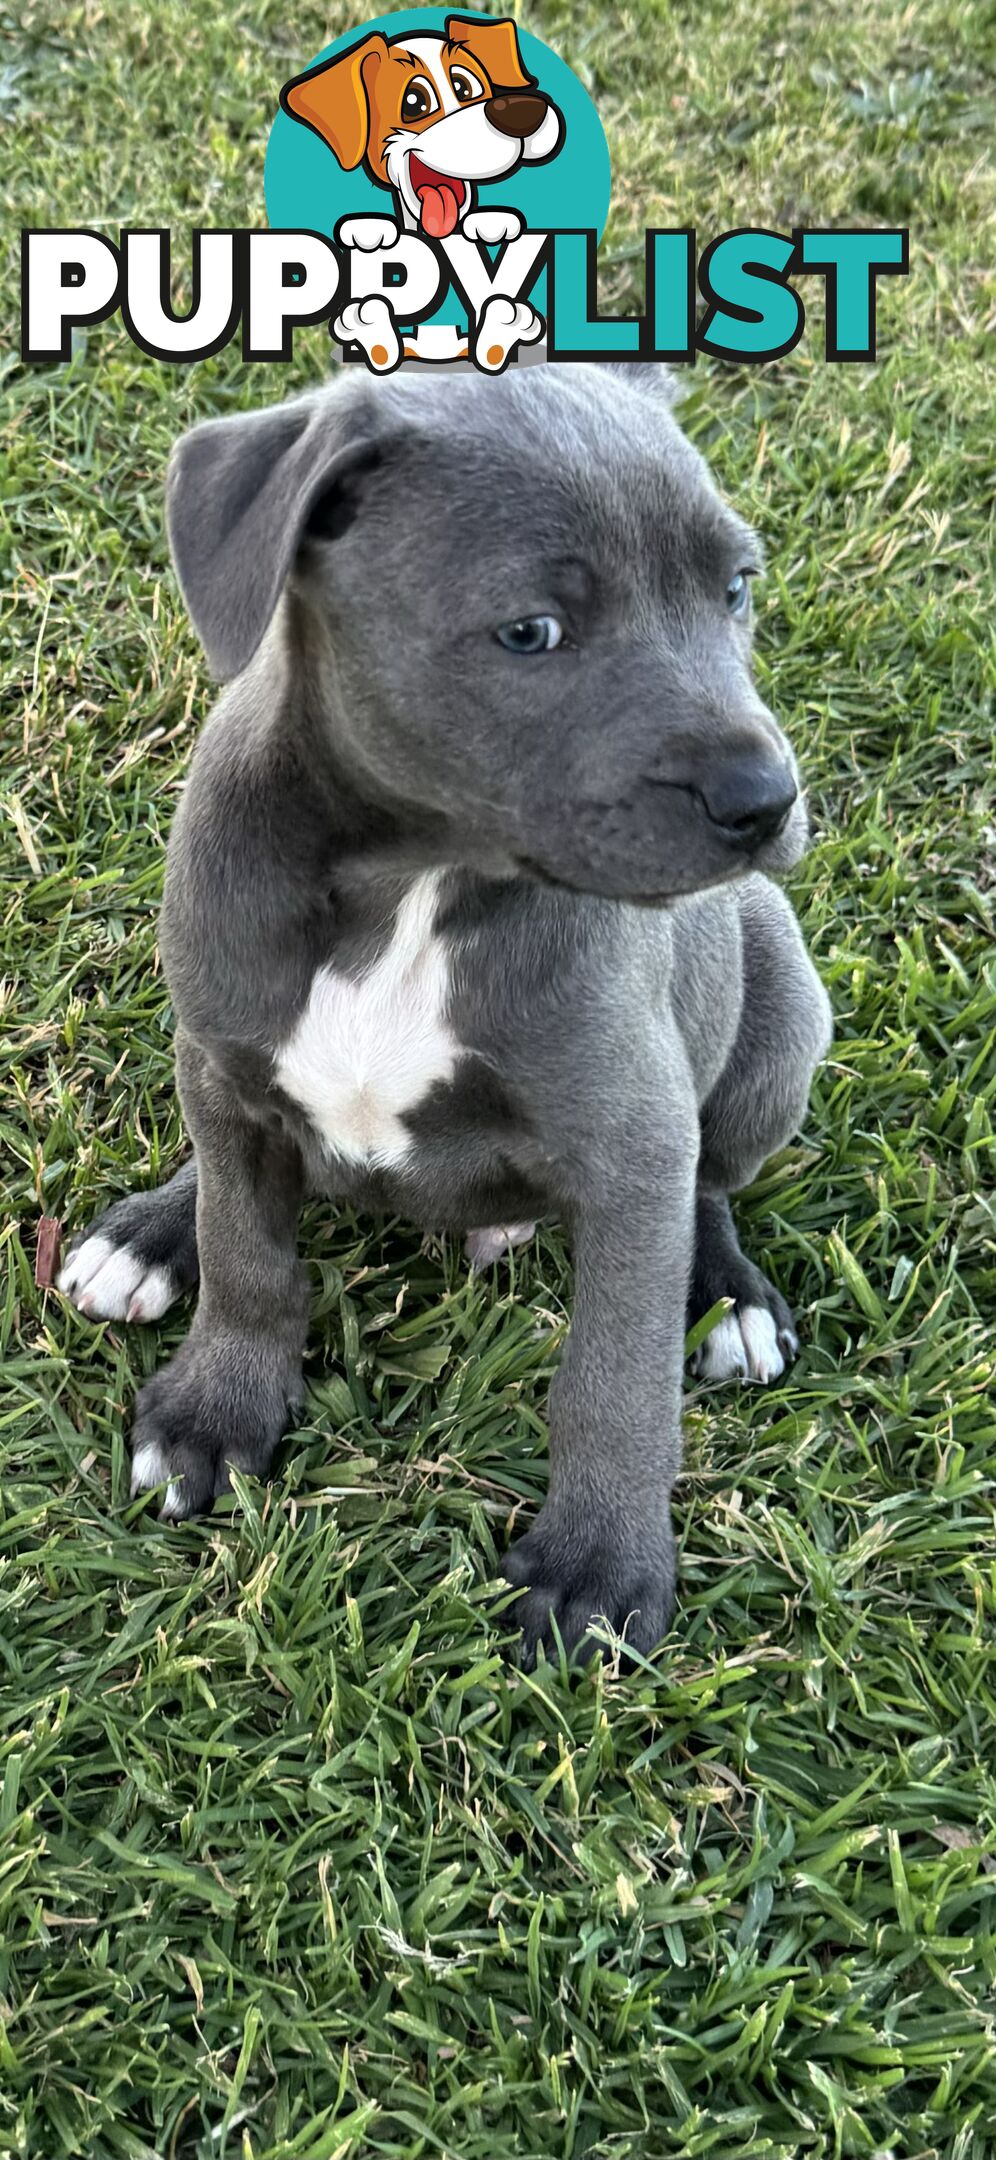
point(294, 1866)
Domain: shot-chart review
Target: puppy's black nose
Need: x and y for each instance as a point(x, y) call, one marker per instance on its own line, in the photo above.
point(750, 799)
point(515, 112)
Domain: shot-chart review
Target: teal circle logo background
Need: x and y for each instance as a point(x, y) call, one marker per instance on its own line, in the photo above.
point(306, 187)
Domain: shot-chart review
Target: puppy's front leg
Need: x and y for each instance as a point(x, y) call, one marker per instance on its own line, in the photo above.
point(602, 1543)
point(225, 1398)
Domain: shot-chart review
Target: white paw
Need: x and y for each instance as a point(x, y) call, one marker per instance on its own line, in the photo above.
point(484, 1247)
point(742, 1346)
point(110, 1282)
point(370, 323)
point(149, 1470)
point(367, 233)
point(492, 226)
point(504, 324)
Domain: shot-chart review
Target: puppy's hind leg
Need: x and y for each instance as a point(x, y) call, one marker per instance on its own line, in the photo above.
point(136, 1258)
point(756, 1106)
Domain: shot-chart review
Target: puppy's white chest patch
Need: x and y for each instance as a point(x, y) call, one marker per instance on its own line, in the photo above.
point(366, 1050)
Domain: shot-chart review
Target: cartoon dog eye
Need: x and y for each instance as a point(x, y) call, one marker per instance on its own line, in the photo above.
point(465, 86)
point(419, 100)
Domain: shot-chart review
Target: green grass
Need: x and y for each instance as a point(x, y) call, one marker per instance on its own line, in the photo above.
point(292, 1865)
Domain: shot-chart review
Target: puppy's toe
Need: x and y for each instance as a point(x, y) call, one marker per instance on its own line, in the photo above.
point(747, 1344)
point(168, 1450)
point(575, 1579)
point(214, 1409)
point(150, 1469)
point(114, 1282)
point(484, 1247)
point(760, 1339)
point(722, 1356)
point(788, 1341)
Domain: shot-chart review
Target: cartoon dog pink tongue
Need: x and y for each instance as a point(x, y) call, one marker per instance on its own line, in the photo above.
point(440, 198)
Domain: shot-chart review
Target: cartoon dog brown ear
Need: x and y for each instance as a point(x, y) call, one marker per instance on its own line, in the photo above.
point(333, 99)
point(496, 46)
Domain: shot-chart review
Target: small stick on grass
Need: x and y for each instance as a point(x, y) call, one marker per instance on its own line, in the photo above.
point(47, 1251)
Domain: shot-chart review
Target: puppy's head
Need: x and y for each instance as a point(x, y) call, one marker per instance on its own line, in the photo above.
point(523, 609)
point(431, 115)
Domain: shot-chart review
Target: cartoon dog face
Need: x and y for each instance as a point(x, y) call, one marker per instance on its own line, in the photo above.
point(428, 116)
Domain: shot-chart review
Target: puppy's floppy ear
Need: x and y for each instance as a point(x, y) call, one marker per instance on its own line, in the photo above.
point(333, 99)
point(496, 46)
point(239, 493)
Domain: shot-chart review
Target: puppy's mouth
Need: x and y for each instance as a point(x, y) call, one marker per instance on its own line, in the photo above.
point(440, 197)
point(731, 859)
point(543, 876)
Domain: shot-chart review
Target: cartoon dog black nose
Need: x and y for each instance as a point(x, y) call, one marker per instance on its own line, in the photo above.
point(516, 112)
point(750, 799)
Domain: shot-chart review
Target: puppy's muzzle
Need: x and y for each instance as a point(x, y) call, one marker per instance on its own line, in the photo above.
point(516, 112)
point(750, 799)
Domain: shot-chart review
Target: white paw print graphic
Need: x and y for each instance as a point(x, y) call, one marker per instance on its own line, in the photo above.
point(504, 324)
point(370, 323)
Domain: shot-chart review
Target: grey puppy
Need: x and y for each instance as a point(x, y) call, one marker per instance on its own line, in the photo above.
point(467, 918)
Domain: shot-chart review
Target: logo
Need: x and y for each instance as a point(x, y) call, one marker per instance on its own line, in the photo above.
point(439, 151)
point(436, 187)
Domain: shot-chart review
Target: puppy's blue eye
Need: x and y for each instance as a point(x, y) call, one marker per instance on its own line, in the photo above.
point(738, 594)
point(531, 634)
